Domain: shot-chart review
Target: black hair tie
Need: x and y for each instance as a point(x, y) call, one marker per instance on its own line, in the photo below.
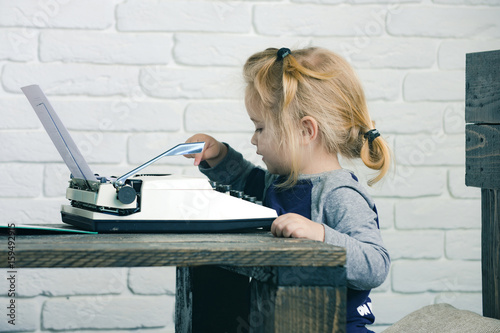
point(372, 135)
point(283, 52)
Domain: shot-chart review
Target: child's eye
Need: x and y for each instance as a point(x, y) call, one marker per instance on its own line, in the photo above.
point(258, 130)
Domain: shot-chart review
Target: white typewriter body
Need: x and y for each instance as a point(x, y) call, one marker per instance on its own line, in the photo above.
point(163, 203)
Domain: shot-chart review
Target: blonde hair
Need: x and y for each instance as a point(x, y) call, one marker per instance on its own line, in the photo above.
point(318, 83)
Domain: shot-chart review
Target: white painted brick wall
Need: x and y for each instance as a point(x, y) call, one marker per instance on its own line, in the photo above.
point(132, 78)
point(87, 47)
point(98, 312)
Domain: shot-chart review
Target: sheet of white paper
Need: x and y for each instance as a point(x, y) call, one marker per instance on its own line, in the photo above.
point(58, 133)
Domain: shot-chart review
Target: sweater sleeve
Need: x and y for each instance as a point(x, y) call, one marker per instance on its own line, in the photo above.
point(352, 224)
point(241, 174)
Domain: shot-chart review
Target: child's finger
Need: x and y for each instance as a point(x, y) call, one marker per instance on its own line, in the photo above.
point(198, 158)
point(278, 225)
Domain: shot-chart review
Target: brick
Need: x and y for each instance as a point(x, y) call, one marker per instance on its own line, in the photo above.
point(226, 49)
point(471, 301)
point(152, 280)
point(438, 213)
point(204, 16)
point(440, 275)
point(389, 308)
point(101, 147)
point(372, 52)
point(385, 209)
point(71, 79)
point(113, 312)
point(459, 22)
point(21, 180)
point(143, 147)
point(18, 44)
point(27, 313)
point(434, 86)
point(469, 2)
point(16, 113)
point(407, 118)
point(414, 244)
point(378, 328)
point(317, 20)
point(55, 180)
point(67, 282)
point(105, 48)
point(96, 147)
point(411, 182)
point(454, 118)
point(329, 2)
point(21, 146)
point(463, 244)
point(31, 211)
point(168, 82)
point(326, 2)
point(130, 114)
point(435, 149)
point(381, 84)
point(452, 53)
point(58, 14)
point(218, 117)
point(457, 188)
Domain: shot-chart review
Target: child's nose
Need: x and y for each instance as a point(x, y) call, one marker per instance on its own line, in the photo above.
point(254, 139)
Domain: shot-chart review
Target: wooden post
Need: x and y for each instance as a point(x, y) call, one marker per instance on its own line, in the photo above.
point(299, 299)
point(277, 300)
point(482, 166)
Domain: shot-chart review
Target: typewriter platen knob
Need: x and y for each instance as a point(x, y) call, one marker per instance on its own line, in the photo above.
point(126, 194)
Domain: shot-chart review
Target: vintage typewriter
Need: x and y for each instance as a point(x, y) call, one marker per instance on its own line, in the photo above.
point(145, 202)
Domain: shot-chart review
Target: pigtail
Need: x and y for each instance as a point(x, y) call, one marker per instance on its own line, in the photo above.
point(375, 154)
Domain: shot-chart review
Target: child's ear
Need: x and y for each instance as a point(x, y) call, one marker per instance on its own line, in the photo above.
point(309, 127)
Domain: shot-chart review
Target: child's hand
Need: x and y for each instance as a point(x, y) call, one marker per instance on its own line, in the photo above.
point(297, 226)
point(213, 152)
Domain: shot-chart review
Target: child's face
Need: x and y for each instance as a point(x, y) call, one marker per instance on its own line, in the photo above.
point(266, 141)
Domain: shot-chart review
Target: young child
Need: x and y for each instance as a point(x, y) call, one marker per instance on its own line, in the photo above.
point(308, 107)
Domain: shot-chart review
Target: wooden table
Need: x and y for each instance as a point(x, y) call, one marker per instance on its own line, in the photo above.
point(235, 282)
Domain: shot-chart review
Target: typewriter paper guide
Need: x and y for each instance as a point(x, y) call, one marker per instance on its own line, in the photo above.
point(58, 134)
